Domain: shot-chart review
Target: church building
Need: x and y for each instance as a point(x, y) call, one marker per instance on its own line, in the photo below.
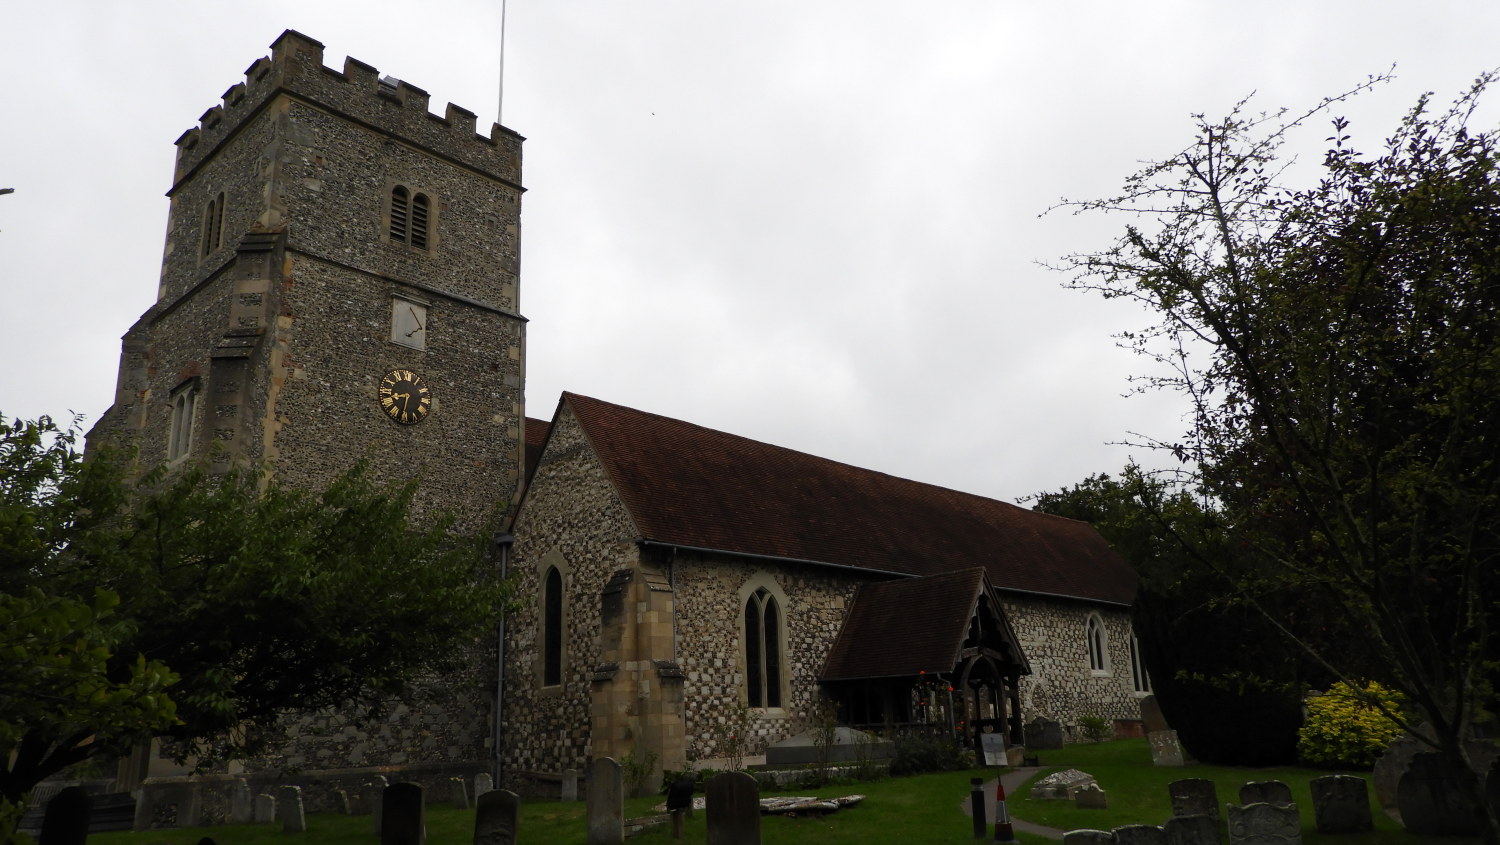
point(340, 281)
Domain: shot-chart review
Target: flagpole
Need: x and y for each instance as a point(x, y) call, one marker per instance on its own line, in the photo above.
point(500, 101)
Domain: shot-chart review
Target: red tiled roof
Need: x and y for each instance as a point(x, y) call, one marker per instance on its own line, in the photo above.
point(899, 629)
point(686, 485)
point(536, 438)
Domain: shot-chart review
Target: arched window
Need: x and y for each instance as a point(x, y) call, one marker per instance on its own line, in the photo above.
point(213, 224)
point(762, 649)
point(180, 432)
point(552, 627)
point(1098, 645)
point(1140, 681)
point(410, 216)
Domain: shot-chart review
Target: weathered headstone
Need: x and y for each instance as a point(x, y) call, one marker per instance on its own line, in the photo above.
point(495, 817)
point(459, 792)
point(66, 820)
point(1429, 799)
point(1140, 834)
point(1043, 733)
point(1194, 797)
point(403, 818)
point(372, 798)
point(1165, 749)
point(605, 800)
point(264, 809)
point(1264, 824)
point(732, 806)
point(1265, 792)
point(1088, 837)
point(570, 785)
point(172, 804)
point(343, 801)
point(1192, 830)
point(1091, 797)
point(1151, 718)
point(483, 782)
point(1060, 786)
point(1341, 804)
point(1391, 766)
point(241, 802)
point(289, 810)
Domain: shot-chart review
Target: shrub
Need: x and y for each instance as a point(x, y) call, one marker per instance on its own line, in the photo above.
point(1345, 728)
point(918, 754)
point(1095, 728)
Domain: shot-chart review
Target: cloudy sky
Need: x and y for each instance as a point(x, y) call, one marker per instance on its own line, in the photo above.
point(814, 223)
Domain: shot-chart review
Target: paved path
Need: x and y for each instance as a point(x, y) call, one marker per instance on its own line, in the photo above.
point(1013, 778)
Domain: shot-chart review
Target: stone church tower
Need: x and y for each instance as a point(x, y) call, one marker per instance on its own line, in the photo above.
point(340, 280)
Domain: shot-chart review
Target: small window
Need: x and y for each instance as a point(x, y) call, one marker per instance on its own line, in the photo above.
point(213, 225)
point(762, 650)
point(180, 434)
point(1098, 645)
point(552, 627)
point(410, 217)
point(1138, 677)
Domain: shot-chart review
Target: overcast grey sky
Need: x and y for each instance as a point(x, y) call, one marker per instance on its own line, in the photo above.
point(813, 223)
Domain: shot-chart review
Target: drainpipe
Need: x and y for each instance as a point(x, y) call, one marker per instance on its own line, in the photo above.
point(503, 543)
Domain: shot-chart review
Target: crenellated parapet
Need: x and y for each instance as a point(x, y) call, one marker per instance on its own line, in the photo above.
point(358, 93)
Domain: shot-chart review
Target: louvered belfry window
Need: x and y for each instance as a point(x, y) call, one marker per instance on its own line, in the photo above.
point(411, 215)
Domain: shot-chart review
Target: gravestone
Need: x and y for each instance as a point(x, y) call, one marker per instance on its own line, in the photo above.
point(483, 782)
point(403, 818)
point(1341, 804)
point(241, 802)
point(1192, 830)
point(344, 803)
point(264, 809)
point(1091, 797)
point(1392, 765)
point(606, 803)
point(1088, 837)
point(1165, 749)
point(732, 805)
point(1264, 824)
point(1140, 834)
point(1060, 786)
point(1151, 718)
point(495, 817)
point(163, 805)
point(1265, 792)
point(1194, 797)
point(1429, 799)
point(66, 821)
point(1043, 734)
point(459, 792)
point(570, 785)
point(289, 810)
point(372, 798)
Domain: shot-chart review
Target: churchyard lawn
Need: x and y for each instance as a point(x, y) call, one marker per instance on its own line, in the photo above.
point(921, 809)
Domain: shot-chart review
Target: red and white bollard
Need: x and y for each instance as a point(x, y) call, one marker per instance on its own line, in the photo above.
point(1003, 830)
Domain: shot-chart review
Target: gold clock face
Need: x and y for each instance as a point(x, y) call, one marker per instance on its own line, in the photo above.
point(405, 397)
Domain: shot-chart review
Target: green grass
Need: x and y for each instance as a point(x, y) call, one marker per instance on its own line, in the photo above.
point(924, 809)
point(1138, 793)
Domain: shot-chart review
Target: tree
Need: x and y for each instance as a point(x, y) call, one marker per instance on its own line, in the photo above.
point(1222, 676)
point(238, 601)
point(1340, 346)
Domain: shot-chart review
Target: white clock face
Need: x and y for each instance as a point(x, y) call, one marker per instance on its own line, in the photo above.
point(408, 323)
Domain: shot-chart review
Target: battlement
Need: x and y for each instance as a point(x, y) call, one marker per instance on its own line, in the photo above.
point(358, 92)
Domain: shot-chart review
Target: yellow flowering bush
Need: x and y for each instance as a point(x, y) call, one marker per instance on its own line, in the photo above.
point(1344, 728)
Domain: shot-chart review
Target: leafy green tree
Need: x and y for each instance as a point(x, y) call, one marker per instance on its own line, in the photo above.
point(1340, 347)
point(1223, 677)
point(258, 600)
